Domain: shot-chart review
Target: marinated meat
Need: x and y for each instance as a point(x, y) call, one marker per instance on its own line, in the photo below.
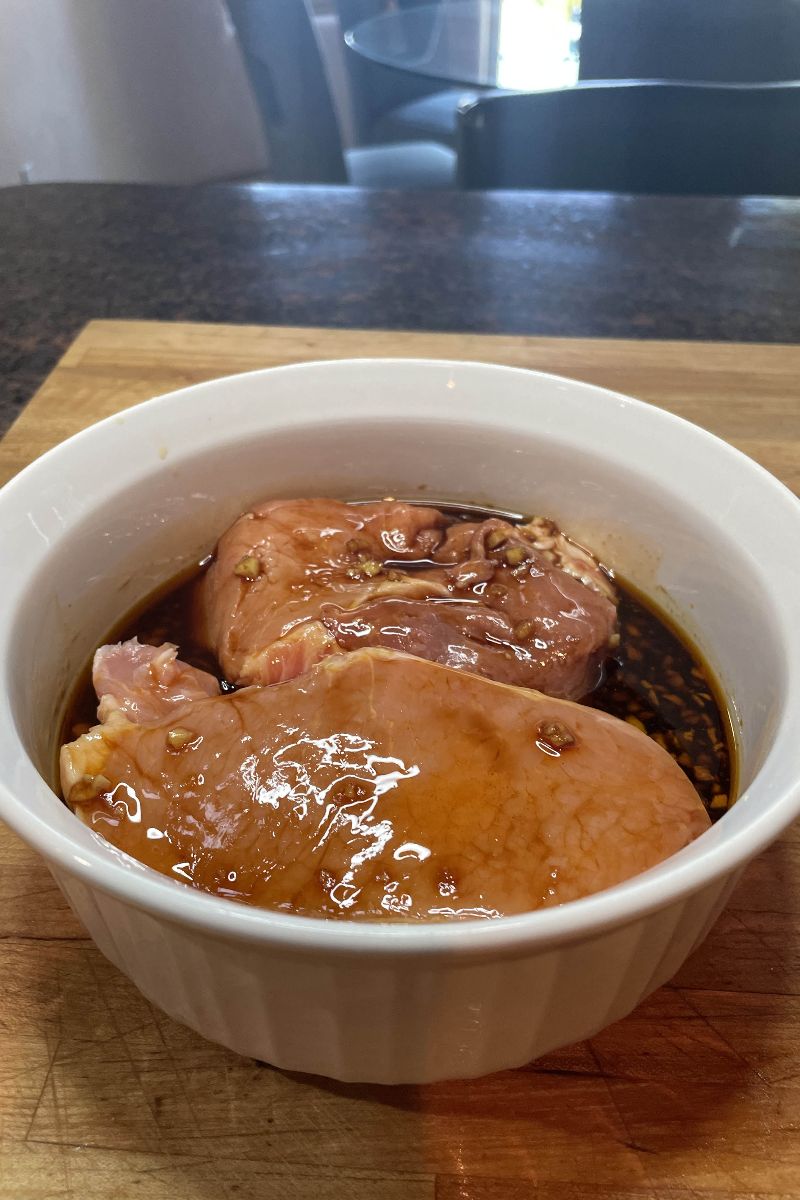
point(381, 785)
point(294, 581)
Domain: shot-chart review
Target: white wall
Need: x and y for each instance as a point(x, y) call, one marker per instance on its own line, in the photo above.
point(123, 90)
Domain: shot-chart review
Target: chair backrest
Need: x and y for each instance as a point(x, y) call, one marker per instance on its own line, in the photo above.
point(288, 79)
point(636, 136)
point(724, 41)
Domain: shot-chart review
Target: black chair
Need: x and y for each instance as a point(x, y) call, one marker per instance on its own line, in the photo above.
point(723, 41)
point(392, 105)
point(636, 136)
point(288, 79)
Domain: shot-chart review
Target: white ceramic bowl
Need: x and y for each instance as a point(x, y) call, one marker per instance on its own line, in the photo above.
point(89, 529)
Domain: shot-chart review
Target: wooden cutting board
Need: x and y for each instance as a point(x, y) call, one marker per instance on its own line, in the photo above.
point(695, 1094)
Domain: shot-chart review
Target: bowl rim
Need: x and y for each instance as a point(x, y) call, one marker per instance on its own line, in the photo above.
point(656, 889)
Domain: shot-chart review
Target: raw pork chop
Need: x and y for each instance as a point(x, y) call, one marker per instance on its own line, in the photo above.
point(383, 785)
point(296, 580)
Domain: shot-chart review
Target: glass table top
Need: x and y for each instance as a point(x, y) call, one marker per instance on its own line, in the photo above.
point(518, 45)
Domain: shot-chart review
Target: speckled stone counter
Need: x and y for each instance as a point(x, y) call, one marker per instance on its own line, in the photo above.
point(547, 263)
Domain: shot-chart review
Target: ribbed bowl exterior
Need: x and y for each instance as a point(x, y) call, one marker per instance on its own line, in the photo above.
point(393, 1020)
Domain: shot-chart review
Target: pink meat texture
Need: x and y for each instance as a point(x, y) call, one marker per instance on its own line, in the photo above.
point(145, 683)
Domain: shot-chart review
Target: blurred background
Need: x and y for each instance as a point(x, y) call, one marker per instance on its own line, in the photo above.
point(616, 95)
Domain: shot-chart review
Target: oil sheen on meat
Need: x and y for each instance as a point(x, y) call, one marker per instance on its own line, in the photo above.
point(374, 785)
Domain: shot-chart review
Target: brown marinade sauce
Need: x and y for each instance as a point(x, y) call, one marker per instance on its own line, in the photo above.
point(656, 679)
point(659, 682)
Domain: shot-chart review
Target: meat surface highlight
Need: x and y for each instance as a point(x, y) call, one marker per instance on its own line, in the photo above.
point(294, 581)
point(380, 785)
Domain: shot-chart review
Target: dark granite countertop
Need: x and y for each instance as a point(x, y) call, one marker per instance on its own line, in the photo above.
point(547, 263)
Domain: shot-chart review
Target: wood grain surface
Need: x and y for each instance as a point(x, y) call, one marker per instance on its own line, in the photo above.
point(697, 1094)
